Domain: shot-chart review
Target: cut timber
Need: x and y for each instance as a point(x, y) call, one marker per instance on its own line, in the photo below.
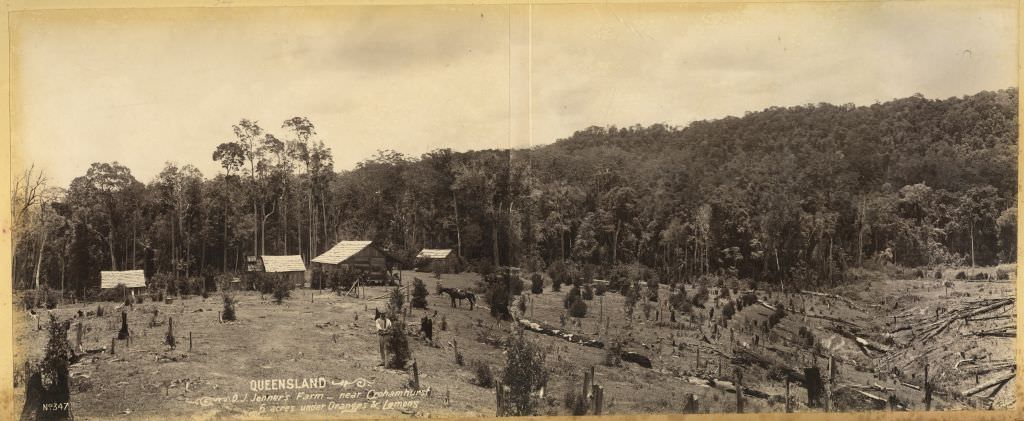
point(996, 381)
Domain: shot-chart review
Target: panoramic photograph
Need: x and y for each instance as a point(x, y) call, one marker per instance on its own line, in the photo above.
point(420, 210)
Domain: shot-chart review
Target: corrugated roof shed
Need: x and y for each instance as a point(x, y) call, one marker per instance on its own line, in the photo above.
point(130, 278)
point(434, 254)
point(280, 264)
point(341, 252)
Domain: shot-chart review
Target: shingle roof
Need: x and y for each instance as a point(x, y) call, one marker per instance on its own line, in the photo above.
point(434, 253)
point(130, 278)
point(341, 252)
point(278, 264)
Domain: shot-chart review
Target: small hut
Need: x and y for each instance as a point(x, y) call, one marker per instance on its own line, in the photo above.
point(288, 267)
point(131, 279)
point(360, 257)
point(447, 259)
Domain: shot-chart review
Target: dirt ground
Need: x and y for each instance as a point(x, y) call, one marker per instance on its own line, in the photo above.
point(319, 334)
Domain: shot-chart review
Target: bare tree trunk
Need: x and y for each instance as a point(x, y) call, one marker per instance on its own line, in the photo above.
point(39, 259)
point(972, 243)
point(458, 231)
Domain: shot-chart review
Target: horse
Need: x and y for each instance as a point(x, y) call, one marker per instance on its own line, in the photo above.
point(460, 295)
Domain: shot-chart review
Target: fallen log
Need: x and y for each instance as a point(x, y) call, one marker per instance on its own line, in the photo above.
point(996, 381)
point(744, 356)
point(874, 398)
point(915, 387)
point(848, 301)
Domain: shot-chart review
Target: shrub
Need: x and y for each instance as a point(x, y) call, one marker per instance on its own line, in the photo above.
point(578, 309)
point(483, 375)
point(397, 347)
point(728, 310)
point(980, 276)
point(938, 274)
point(536, 284)
point(652, 291)
point(419, 294)
point(613, 354)
point(498, 297)
point(396, 300)
point(523, 374)
point(576, 402)
point(282, 290)
point(588, 292)
point(777, 315)
point(960, 276)
point(599, 289)
point(45, 297)
point(557, 270)
point(229, 305)
point(57, 357)
point(700, 297)
point(556, 284)
point(629, 303)
point(1002, 275)
point(572, 296)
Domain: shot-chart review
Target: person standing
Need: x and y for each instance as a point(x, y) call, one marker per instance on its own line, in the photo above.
point(383, 325)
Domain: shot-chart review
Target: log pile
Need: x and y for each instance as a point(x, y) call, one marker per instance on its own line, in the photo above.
point(927, 331)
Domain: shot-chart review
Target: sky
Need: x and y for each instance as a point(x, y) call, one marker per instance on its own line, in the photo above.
point(148, 86)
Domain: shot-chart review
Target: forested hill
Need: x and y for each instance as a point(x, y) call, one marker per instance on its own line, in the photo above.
point(914, 175)
point(952, 144)
point(799, 193)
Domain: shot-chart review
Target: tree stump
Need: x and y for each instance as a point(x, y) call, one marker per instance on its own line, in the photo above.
point(123, 333)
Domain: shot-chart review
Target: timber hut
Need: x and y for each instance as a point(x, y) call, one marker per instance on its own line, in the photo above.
point(131, 279)
point(358, 257)
point(447, 259)
point(288, 267)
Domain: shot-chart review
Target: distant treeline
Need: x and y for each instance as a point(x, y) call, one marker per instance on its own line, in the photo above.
point(799, 193)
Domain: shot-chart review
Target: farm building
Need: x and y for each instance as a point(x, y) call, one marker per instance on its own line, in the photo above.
point(448, 260)
point(291, 267)
point(357, 257)
point(132, 279)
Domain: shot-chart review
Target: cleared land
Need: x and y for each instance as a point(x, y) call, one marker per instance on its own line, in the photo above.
point(879, 333)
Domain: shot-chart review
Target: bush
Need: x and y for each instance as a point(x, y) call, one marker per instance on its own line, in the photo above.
point(229, 305)
point(556, 284)
point(700, 297)
point(498, 296)
point(588, 292)
point(728, 310)
point(483, 376)
point(777, 315)
point(578, 309)
point(419, 294)
point(961, 276)
point(572, 296)
point(524, 373)
point(57, 356)
point(282, 290)
point(938, 274)
point(397, 347)
point(652, 291)
point(1002, 275)
point(599, 289)
point(613, 354)
point(396, 300)
point(536, 284)
point(576, 402)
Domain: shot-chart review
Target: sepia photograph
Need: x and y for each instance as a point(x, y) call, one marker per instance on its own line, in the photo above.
point(244, 211)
